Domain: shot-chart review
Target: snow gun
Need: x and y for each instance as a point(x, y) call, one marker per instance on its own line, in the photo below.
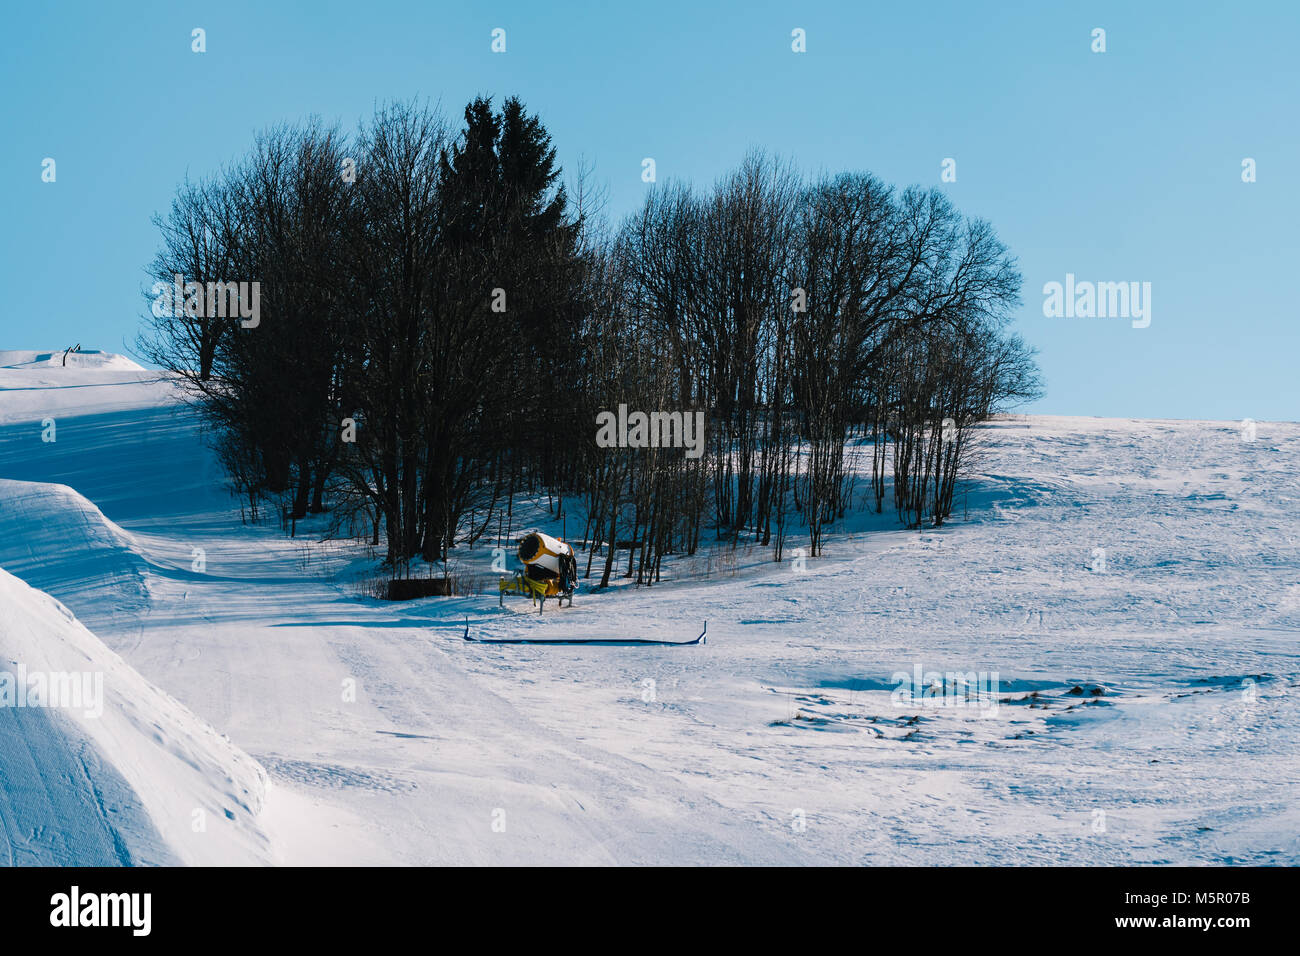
point(550, 570)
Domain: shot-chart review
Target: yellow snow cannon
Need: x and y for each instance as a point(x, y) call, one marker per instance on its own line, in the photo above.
point(549, 559)
point(550, 568)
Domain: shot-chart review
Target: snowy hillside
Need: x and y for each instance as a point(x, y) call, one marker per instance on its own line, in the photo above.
point(1135, 585)
point(38, 385)
point(85, 359)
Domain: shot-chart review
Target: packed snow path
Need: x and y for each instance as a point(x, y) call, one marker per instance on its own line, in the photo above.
point(778, 741)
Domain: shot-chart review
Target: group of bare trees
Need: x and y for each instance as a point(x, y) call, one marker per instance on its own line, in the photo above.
point(808, 320)
point(278, 223)
point(417, 287)
point(440, 325)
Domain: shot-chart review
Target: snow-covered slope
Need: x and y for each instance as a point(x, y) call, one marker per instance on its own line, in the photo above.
point(117, 773)
point(37, 386)
point(98, 567)
point(1135, 585)
point(85, 359)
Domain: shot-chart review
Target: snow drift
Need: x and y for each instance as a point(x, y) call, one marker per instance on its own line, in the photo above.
point(61, 543)
point(130, 778)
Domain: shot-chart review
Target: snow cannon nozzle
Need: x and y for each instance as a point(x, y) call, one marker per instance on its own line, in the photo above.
point(537, 547)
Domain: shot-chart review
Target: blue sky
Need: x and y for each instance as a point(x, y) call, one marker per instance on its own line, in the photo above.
point(1115, 166)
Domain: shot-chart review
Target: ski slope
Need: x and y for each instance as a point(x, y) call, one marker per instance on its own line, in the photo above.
point(1147, 708)
point(129, 777)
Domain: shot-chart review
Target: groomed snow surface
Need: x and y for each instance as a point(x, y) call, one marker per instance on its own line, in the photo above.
point(1135, 585)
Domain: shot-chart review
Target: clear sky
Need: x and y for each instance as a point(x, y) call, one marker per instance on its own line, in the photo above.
point(1122, 166)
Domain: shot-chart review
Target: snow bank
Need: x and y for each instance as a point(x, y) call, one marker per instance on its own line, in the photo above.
point(121, 773)
point(61, 543)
